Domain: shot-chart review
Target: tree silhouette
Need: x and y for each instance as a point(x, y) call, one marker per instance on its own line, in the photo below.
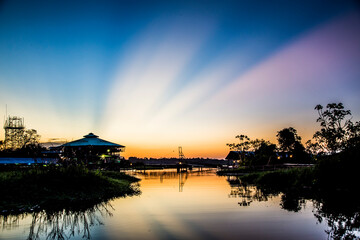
point(353, 135)
point(288, 139)
point(337, 131)
point(243, 145)
point(263, 150)
point(31, 137)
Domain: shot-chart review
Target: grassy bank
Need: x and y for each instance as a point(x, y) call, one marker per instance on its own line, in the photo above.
point(336, 172)
point(43, 187)
point(283, 179)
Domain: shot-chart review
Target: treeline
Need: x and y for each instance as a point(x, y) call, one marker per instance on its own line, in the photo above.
point(338, 133)
point(28, 151)
point(173, 161)
point(172, 158)
point(27, 144)
point(332, 183)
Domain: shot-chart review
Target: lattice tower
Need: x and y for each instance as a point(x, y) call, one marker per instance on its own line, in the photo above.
point(14, 132)
point(181, 155)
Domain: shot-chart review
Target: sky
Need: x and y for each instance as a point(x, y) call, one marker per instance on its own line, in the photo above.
point(155, 75)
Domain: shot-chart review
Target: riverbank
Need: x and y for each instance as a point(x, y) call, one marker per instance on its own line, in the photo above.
point(284, 179)
point(335, 172)
point(28, 189)
point(244, 170)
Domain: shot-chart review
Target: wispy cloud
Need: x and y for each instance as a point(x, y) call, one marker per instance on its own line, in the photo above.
point(317, 67)
point(147, 71)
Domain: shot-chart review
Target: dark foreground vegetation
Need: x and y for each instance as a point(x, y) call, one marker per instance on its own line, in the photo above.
point(335, 152)
point(54, 187)
point(332, 183)
point(332, 186)
point(338, 172)
point(337, 134)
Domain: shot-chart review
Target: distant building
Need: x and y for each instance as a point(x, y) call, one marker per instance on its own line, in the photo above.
point(235, 158)
point(92, 149)
point(283, 156)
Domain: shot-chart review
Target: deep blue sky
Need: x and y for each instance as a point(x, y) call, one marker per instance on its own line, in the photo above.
point(135, 71)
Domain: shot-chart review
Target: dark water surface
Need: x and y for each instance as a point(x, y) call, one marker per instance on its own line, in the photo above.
point(193, 205)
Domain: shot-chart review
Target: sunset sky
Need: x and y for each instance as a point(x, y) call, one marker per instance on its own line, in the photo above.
point(155, 75)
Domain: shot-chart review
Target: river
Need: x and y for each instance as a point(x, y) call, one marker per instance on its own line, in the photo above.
point(189, 205)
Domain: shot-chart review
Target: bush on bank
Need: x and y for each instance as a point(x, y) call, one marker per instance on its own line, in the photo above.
point(338, 171)
point(51, 186)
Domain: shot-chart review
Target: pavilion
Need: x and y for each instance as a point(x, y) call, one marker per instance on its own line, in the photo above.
point(91, 149)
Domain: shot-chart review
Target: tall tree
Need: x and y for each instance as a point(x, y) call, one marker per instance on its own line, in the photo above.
point(336, 127)
point(264, 153)
point(353, 135)
point(287, 139)
point(31, 138)
point(243, 145)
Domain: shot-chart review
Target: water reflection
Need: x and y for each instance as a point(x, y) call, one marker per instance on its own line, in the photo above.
point(343, 218)
point(164, 174)
point(209, 207)
point(169, 173)
point(182, 179)
point(246, 193)
point(60, 224)
point(341, 211)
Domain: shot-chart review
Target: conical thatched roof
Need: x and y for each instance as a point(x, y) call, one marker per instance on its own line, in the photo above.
point(91, 140)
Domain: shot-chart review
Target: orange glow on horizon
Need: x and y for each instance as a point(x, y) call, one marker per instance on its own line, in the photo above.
point(218, 152)
point(205, 112)
point(202, 148)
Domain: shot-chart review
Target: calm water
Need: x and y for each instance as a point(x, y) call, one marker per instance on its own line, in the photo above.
point(196, 205)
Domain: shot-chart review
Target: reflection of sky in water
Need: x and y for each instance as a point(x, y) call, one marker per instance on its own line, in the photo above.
point(191, 206)
point(201, 209)
point(72, 223)
point(204, 210)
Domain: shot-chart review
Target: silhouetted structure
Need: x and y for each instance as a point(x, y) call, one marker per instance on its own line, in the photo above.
point(93, 149)
point(233, 159)
point(236, 158)
point(14, 133)
point(181, 155)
